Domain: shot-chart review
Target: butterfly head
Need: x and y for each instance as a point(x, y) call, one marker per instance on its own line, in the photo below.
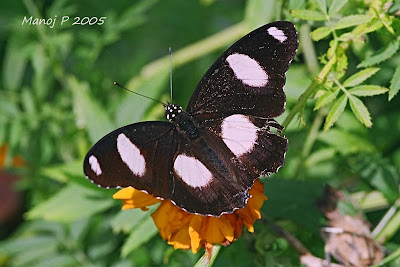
point(171, 111)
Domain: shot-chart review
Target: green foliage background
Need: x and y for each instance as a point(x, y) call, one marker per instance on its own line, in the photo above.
point(57, 99)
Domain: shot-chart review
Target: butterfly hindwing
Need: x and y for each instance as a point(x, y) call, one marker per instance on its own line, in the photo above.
point(248, 78)
point(207, 177)
point(252, 140)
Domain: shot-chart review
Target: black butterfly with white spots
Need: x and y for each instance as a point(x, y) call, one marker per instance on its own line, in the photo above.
point(206, 159)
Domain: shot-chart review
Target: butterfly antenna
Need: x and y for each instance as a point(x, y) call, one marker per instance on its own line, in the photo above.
point(170, 71)
point(117, 84)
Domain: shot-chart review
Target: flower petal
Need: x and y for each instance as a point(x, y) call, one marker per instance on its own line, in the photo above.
point(133, 198)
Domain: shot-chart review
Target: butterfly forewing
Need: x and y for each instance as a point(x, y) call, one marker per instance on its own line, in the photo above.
point(248, 78)
point(138, 155)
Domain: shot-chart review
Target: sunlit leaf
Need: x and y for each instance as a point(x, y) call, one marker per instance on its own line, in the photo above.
point(368, 90)
point(322, 5)
point(395, 83)
point(308, 14)
point(352, 20)
point(389, 51)
point(360, 110)
point(335, 6)
point(326, 98)
point(335, 112)
point(359, 77)
point(320, 33)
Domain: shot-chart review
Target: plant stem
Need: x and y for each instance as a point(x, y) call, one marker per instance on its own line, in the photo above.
point(209, 257)
point(310, 90)
point(388, 259)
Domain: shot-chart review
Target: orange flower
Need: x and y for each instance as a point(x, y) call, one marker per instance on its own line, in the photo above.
point(184, 230)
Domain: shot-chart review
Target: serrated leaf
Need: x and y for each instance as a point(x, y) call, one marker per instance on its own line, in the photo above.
point(368, 90)
point(374, 25)
point(320, 33)
point(395, 83)
point(352, 20)
point(327, 98)
point(308, 14)
point(141, 234)
point(335, 112)
point(336, 6)
point(359, 77)
point(390, 50)
point(360, 110)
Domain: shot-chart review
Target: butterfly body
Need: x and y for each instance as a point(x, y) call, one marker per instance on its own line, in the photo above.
point(206, 159)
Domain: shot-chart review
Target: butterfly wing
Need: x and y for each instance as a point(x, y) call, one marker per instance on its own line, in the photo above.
point(248, 78)
point(208, 179)
point(154, 157)
point(137, 155)
point(241, 93)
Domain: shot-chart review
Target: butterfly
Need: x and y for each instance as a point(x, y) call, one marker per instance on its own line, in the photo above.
point(206, 158)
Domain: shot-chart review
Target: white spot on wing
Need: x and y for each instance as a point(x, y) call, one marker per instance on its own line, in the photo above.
point(239, 134)
point(247, 70)
point(277, 34)
point(130, 154)
point(192, 171)
point(94, 165)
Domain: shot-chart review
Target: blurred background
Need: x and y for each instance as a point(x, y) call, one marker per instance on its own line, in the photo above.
point(57, 99)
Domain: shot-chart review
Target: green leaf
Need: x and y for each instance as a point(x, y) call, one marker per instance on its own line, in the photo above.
point(320, 33)
point(88, 111)
point(27, 101)
point(390, 50)
point(360, 110)
point(133, 108)
point(395, 83)
point(336, 6)
point(368, 90)
point(359, 77)
point(22, 244)
point(141, 234)
point(57, 259)
point(259, 11)
point(322, 5)
point(297, 204)
point(335, 112)
point(345, 142)
point(14, 63)
point(380, 174)
point(352, 20)
point(308, 14)
point(326, 98)
point(126, 220)
point(71, 203)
